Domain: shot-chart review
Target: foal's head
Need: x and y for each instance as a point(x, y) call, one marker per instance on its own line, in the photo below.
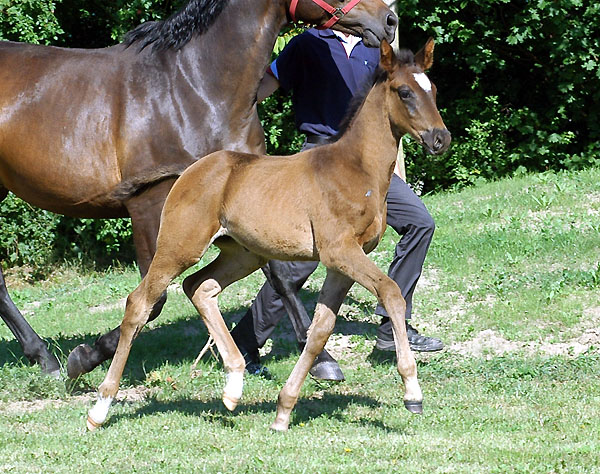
point(413, 109)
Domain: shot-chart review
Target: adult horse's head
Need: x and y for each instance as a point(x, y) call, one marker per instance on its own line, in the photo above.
point(372, 20)
point(414, 110)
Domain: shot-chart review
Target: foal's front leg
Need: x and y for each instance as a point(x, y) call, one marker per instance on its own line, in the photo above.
point(332, 295)
point(351, 260)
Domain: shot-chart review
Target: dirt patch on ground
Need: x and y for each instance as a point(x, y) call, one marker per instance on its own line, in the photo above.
point(128, 395)
point(490, 344)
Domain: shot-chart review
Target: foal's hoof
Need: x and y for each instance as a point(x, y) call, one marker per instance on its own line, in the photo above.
point(326, 367)
point(414, 407)
point(279, 426)
point(76, 365)
point(230, 403)
point(92, 425)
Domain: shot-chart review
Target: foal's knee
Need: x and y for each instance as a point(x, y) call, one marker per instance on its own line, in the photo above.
point(389, 293)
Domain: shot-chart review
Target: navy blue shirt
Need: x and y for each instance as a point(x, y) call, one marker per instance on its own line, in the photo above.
point(322, 78)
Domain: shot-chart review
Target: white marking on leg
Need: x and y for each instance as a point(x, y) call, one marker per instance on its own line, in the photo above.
point(412, 390)
point(99, 412)
point(423, 81)
point(234, 385)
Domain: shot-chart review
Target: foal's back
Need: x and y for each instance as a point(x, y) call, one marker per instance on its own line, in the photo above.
point(276, 206)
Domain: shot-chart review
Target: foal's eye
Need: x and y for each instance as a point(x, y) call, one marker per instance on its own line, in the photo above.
point(405, 92)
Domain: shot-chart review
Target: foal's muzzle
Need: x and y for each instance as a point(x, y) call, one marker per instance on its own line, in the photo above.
point(436, 140)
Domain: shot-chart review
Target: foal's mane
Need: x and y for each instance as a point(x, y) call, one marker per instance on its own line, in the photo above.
point(404, 57)
point(194, 18)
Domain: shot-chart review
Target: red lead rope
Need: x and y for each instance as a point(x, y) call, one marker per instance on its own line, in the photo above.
point(336, 13)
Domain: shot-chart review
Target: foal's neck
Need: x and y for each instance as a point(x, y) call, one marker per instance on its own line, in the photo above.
point(370, 136)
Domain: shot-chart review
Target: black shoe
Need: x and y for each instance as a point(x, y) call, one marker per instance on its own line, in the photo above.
point(253, 365)
point(417, 343)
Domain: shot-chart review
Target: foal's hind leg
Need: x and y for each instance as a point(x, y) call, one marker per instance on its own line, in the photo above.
point(203, 287)
point(332, 295)
point(139, 307)
point(145, 210)
point(171, 259)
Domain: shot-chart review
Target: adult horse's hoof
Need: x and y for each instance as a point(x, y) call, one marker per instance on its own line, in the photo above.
point(49, 364)
point(76, 362)
point(326, 367)
point(414, 407)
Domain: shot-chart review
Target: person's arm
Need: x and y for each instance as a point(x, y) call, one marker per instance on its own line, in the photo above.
point(268, 84)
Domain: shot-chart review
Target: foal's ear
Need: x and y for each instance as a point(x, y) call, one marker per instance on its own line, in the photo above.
point(424, 58)
point(388, 58)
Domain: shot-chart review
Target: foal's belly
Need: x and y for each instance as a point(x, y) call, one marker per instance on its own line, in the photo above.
point(275, 239)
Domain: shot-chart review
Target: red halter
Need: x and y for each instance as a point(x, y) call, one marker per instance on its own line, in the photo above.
point(336, 13)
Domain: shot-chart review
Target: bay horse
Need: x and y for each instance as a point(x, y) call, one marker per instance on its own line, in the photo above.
point(326, 203)
point(75, 124)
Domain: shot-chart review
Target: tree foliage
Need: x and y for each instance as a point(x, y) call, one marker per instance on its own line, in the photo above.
point(518, 81)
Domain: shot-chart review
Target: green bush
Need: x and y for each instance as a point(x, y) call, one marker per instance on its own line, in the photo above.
point(32, 21)
point(518, 81)
point(35, 238)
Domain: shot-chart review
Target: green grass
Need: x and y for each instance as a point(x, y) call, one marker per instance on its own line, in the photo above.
point(511, 285)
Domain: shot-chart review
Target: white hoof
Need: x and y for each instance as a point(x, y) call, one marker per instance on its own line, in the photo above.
point(233, 389)
point(97, 415)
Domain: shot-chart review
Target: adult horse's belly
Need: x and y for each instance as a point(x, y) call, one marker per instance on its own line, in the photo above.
point(71, 187)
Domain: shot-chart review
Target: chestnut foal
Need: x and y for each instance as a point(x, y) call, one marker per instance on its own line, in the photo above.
point(326, 204)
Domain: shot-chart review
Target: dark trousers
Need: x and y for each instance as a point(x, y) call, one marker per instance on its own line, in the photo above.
point(406, 214)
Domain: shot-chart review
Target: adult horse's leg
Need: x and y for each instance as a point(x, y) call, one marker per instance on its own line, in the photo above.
point(144, 210)
point(332, 295)
point(34, 348)
point(324, 367)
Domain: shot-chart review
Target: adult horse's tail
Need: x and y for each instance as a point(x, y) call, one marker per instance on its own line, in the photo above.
point(143, 181)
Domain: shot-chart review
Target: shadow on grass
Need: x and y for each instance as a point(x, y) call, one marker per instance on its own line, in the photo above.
point(332, 406)
point(178, 341)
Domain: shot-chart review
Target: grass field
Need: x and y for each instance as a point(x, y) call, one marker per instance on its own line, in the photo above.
point(511, 285)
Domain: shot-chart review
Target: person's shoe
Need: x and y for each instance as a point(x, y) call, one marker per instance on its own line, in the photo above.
point(253, 365)
point(417, 342)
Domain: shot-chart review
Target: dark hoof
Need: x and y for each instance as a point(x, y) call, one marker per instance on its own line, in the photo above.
point(76, 364)
point(325, 367)
point(414, 407)
point(50, 366)
point(327, 371)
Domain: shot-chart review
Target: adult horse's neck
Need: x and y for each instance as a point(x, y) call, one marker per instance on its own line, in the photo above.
point(224, 65)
